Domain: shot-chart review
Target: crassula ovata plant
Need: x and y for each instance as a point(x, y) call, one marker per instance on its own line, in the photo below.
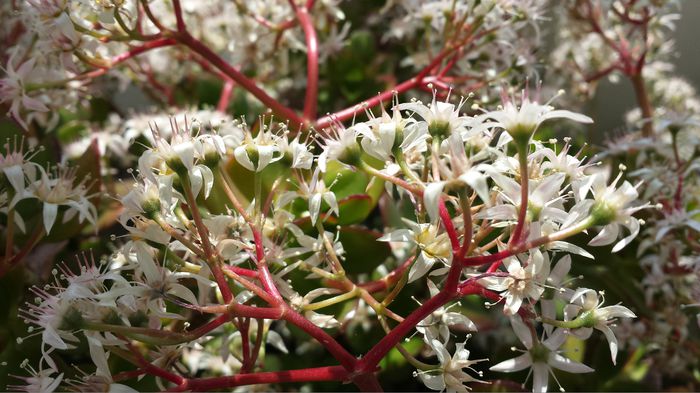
point(417, 224)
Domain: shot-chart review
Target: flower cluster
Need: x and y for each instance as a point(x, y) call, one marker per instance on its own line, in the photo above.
point(250, 236)
point(187, 254)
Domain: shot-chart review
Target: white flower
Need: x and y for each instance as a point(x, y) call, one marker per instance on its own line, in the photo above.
point(586, 308)
point(541, 357)
point(301, 157)
point(155, 283)
point(524, 120)
point(555, 281)
point(450, 376)
point(611, 209)
point(570, 165)
point(255, 154)
point(338, 144)
point(149, 198)
point(180, 154)
point(473, 177)
point(16, 167)
point(440, 119)
point(56, 191)
point(100, 383)
point(308, 244)
point(381, 134)
point(438, 323)
point(677, 218)
point(42, 381)
point(323, 321)
point(433, 246)
point(525, 280)
point(54, 314)
point(316, 191)
point(544, 200)
point(13, 89)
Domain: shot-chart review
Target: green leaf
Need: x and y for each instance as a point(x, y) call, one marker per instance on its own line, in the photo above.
point(363, 253)
point(354, 209)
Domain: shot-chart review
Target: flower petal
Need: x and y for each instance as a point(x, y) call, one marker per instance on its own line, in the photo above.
point(512, 365)
point(50, 213)
point(431, 198)
point(560, 362)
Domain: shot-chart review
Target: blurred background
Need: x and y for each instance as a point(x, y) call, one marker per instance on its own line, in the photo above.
point(613, 100)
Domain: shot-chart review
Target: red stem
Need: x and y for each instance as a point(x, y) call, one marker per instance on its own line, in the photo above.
point(377, 285)
point(211, 325)
point(152, 369)
point(449, 228)
point(198, 47)
point(448, 292)
point(516, 249)
point(225, 96)
point(420, 78)
point(241, 271)
point(311, 98)
point(263, 272)
point(369, 362)
point(178, 16)
point(640, 92)
point(385, 96)
point(137, 50)
point(524, 195)
point(243, 327)
point(347, 360)
point(330, 373)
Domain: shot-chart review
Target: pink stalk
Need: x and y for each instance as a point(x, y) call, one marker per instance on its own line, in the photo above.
point(420, 79)
point(209, 326)
point(244, 328)
point(198, 47)
point(135, 51)
point(178, 16)
point(347, 360)
point(241, 271)
point(311, 98)
point(524, 196)
point(263, 272)
point(206, 243)
point(369, 362)
point(449, 227)
point(378, 285)
point(152, 369)
point(225, 96)
point(330, 373)
point(448, 292)
point(385, 96)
